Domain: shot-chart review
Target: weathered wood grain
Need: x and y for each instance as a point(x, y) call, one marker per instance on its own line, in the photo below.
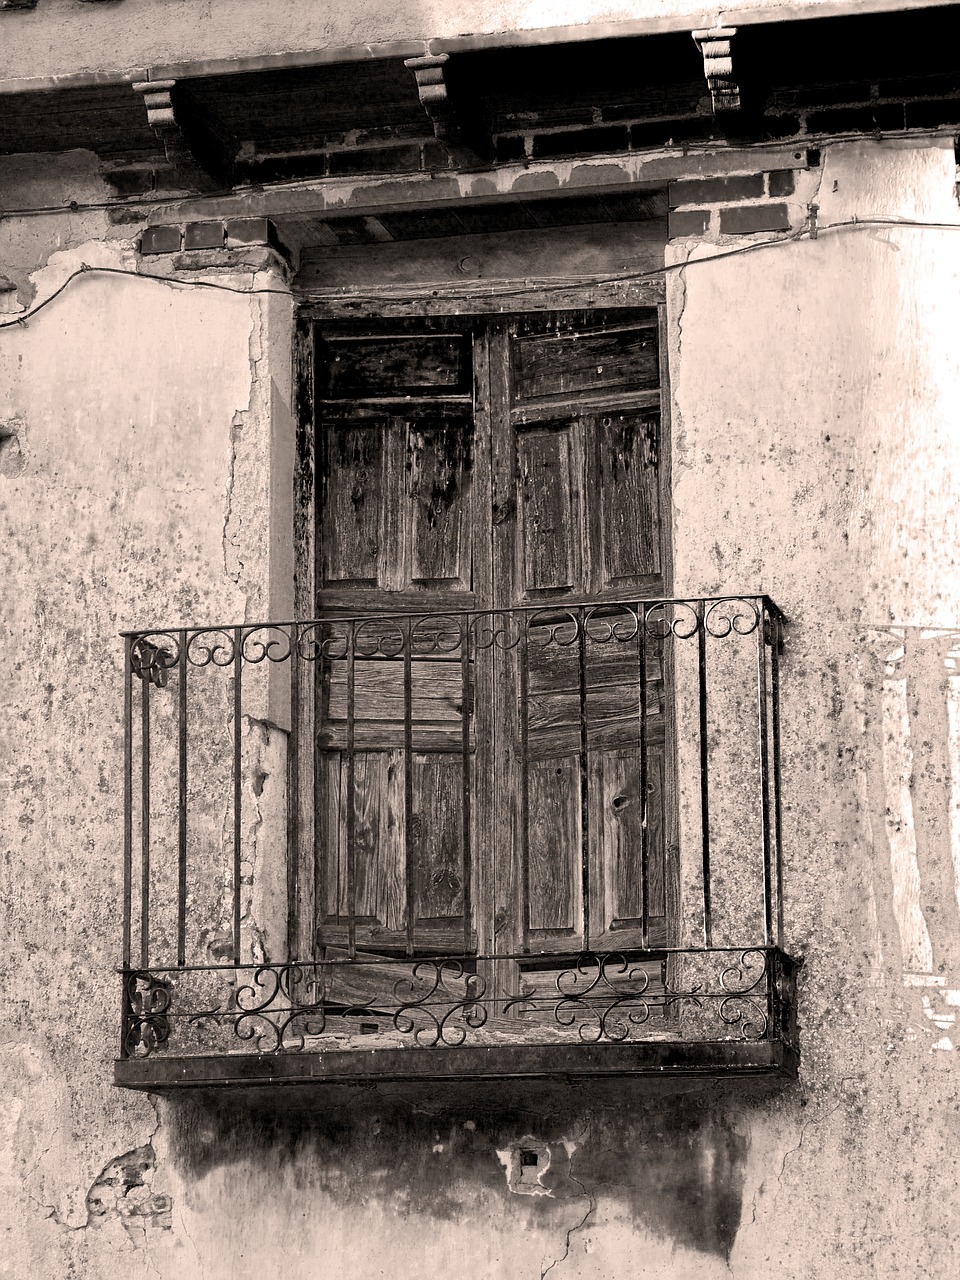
point(591, 359)
point(392, 364)
point(554, 846)
point(438, 836)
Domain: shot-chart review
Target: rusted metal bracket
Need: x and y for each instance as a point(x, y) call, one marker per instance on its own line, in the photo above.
point(171, 123)
point(437, 103)
point(716, 46)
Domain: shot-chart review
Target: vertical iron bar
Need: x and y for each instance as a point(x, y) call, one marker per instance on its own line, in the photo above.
point(321, 851)
point(775, 623)
point(145, 823)
point(584, 778)
point(351, 793)
point(644, 782)
point(524, 622)
point(293, 798)
point(704, 773)
point(764, 769)
point(182, 802)
point(409, 835)
point(127, 797)
point(466, 718)
point(237, 783)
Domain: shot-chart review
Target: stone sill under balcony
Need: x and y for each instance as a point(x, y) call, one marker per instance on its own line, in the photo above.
point(712, 1060)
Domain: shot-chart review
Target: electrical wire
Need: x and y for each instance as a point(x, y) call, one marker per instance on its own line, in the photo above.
point(549, 283)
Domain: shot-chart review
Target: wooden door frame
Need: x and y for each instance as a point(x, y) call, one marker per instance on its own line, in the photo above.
point(499, 298)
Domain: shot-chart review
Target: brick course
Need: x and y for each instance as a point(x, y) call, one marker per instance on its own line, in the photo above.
point(744, 219)
point(688, 222)
point(716, 190)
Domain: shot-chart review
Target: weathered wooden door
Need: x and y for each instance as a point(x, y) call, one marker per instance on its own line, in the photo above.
point(480, 769)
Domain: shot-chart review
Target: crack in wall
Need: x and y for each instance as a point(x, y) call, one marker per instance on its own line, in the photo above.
point(572, 1231)
point(232, 564)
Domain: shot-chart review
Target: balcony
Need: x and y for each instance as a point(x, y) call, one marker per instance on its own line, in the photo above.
point(487, 843)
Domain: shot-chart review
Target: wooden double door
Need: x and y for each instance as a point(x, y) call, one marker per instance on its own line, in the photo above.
point(491, 765)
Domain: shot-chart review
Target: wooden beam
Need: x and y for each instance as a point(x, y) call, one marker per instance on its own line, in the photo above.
point(716, 46)
point(435, 99)
point(188, 144)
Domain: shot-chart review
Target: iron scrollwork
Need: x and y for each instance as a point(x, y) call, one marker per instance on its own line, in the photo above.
point(442, 1002)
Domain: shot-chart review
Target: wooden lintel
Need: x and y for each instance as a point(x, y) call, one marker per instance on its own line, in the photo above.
point(429, 72)
point(716, 46)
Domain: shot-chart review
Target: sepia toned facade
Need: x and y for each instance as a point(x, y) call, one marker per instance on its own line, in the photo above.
point(481, 758)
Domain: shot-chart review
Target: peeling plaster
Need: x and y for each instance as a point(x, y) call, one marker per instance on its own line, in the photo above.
point(776, 459)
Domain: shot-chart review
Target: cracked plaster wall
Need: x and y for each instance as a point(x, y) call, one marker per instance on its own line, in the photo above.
point(145, 417)
point(814, 458)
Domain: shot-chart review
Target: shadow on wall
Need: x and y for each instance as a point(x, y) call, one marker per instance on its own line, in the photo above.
point(672, 1163)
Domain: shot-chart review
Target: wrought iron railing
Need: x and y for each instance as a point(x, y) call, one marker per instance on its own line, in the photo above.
point(558, 824)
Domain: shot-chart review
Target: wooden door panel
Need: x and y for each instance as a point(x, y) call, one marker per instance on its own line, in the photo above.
point(397, 501)
point(363, 365)
point(553, 851)
point(391, 858)
point(551, 357)
point(437, 830)
point(584, 429)
point(437, 502)
point(548, 510)
point(626, 458)
point(372, 884)
point(620, 843)
point(354, 530)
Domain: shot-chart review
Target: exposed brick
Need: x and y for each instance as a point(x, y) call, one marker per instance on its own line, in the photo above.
point(688, 222)
point(823, 95)
point(131, 182)
point(781, 182)
point(939, 86)
point(714, 190)
point(281, 168)
point(574, 141)
point(160, 240)
point(744, 219)
point(383, 134)
point(524, 116)
point(665, 133)
point(668, 100)
point(927, 115)
point(780, 126)
point(510, 148)
point(244, 231)
point(203, 235)
point(120, 216)
point(856, 119)
point(376, 160)
point(435, 155)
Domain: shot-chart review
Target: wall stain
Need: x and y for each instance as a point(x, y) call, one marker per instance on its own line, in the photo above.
point(675, 1163)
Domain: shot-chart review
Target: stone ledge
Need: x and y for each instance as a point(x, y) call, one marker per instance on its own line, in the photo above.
point(714, 1059)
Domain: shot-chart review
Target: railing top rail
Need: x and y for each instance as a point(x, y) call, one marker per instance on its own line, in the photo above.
point(760, 601)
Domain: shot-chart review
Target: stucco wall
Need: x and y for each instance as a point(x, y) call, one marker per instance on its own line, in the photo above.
point(814, 457)
point(66, 38)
